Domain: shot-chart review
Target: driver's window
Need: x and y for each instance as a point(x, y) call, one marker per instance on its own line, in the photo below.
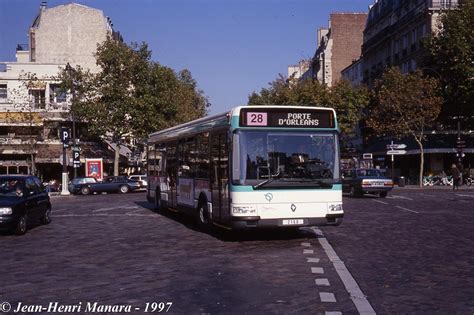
point(30, 187)
point(39, 185)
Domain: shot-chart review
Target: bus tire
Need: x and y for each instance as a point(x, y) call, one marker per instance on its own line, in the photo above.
point(203, 217)
point(355, 193)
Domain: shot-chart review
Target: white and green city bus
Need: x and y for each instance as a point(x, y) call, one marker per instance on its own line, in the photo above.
point(253, 167)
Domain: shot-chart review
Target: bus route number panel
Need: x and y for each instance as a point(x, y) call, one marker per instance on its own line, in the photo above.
point(297, 118)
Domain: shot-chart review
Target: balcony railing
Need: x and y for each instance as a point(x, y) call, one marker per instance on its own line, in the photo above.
point(443, 4)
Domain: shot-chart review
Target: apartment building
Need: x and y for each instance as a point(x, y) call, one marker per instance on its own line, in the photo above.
point(395, 31)
point(338, 46)
point(32, 108)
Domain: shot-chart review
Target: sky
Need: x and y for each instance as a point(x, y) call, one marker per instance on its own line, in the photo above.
point(231, 47)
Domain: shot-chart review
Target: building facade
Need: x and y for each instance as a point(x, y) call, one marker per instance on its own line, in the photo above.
point(32, 107)
point(395, 31)
point(338, 46)
point(393, 36)
point(295, 72)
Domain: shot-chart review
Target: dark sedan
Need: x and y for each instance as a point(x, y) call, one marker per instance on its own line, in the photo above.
point(79, 183)
point(23, 200)
point(358, 182)
point(110, 184)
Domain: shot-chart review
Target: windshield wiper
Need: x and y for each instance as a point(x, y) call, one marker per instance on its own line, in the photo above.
point(328, 181)
point(268, 181)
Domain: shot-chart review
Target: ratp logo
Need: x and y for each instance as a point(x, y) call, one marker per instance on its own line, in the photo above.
point(269, 197)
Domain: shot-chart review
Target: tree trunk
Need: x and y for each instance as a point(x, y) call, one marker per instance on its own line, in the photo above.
point(116, 159)
point(422, 160)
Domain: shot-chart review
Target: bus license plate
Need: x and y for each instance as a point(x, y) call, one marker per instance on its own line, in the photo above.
point(293, 222)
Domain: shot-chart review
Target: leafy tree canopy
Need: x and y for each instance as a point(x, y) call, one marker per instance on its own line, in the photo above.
point(131, 95)
point(404, 106)
point(450, 55)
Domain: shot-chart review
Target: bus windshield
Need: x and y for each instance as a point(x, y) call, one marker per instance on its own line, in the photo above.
point(268, 158)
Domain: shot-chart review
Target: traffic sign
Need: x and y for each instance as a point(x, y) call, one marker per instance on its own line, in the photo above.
point(76, 159)
point(65, 136)
point(395, 146)
point(396, 152)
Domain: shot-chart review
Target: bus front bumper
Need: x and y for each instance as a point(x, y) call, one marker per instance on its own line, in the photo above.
point(255, 222)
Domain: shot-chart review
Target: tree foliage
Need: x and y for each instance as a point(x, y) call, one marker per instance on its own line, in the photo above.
point(404, 105)
point(131, 95)
point(348, 101)
point(450, 55)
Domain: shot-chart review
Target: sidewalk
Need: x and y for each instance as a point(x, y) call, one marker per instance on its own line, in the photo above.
point(436, 187)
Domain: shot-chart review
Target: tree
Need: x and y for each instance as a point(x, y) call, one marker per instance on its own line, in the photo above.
point(450, 56)
point(131, 95)
point(348, 101)
point(404, 105)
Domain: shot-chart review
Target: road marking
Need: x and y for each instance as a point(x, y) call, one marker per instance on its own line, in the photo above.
point(104, 209)
point(134, 212)
point(462, 195)
point(357, 296)
point(327, 297)
point(308, 251)
point(317, 270)
point(407, 209)
point(115, 208)
point(105, 215)
point(379, 201)
point(333, 313)
point(312, 260)
point(322, 281)
point(398, 197)
point(59, 210)
point(306, 244)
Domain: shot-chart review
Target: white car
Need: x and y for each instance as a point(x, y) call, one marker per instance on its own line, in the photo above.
point(142, 179)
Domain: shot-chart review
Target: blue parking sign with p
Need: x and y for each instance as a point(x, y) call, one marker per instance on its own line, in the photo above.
point(65, 136)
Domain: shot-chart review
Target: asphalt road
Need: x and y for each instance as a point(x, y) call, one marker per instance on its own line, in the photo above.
point(409, 253)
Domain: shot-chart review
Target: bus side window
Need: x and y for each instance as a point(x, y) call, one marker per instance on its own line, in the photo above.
point(202, 156)
point(171, 161)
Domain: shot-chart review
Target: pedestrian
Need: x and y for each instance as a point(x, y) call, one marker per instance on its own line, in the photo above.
point(456, 176)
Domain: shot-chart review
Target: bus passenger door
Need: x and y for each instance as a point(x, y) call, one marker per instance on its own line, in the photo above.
point(219, 177)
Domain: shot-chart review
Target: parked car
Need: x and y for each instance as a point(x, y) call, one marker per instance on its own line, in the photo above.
point(23, 200)
point(77, 184)
point(110, 184)
point(142, 179)
point(358, 182)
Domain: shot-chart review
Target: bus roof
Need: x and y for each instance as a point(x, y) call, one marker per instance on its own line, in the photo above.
point(229, 119)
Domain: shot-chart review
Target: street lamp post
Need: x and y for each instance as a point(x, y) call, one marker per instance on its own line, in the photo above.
point(69, 71)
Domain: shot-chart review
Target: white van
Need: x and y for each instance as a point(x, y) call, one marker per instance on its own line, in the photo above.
point(142, 179)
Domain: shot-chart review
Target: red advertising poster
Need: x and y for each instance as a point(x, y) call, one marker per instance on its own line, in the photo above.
point(94, 168)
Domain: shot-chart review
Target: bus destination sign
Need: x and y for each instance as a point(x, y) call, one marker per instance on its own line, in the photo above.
point(282, 117)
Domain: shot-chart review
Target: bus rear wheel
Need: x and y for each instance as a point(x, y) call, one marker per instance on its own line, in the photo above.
point(203, 217)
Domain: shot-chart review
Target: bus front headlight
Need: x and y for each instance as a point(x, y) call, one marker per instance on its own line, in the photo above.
point(336, 207)
point(243, 210)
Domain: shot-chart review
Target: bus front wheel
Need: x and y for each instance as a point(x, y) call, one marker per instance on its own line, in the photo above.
point(203, 216)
